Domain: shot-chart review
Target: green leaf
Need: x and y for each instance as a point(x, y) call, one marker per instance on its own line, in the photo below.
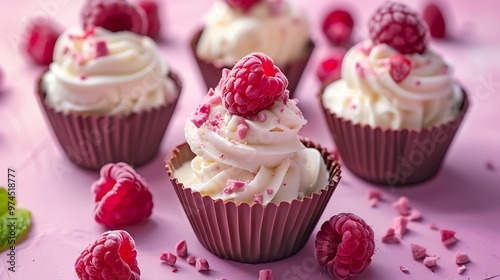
point(13, 228)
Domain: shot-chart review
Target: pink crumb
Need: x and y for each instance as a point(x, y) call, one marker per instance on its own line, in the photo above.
point(402, 205)
point(191, 260)
point(404, 269)
point(430, 261)
point(168, 258)
point(373, 202)
point(374, 194)
point(174, 269)
point(415, 215)
point(461, 257)
point(200, 115)
point(418, 251)
point(83, 77)
point(227, 190)
point(399, 224)
point(234, 185)
point(202, 264)
point(433, 226)
point(258, 198)
point(282, 110)
point(181, 249)
point(101, 48)
point(448, 237)
point(242, 130)
point(390, 237)
point(265, 274)
point(270, 191)
point(461, 269)
point(418, 83)
point(261, 117)
point(65, 50)
point(221, 155)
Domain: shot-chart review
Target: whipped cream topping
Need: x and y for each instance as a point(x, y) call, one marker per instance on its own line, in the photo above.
point(367, 94)
point(100, 72)
point(244, 160)
point(277, 28)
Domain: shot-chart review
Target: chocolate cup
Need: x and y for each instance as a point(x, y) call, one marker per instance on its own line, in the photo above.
point(252, 233)
point(91, 141)
point(211, 74)
point(392, 157)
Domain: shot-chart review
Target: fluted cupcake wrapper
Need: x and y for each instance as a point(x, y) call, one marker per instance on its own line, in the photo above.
point(392, 157)
point(211, 74)
point(252, 233)
point(91, 141)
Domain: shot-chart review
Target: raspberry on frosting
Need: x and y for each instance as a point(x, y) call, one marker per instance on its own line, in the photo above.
point(111, 256)
point(344, 245)
point(115, 15)
point(254, 84)
point(337, 26)
point(400, 27)
point(150, 8)
point(121, 196)
point(245, 5)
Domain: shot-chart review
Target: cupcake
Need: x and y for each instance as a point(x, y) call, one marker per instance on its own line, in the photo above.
point(108, 96)
point(233, 29)
point(252, 189)
point(396, 108)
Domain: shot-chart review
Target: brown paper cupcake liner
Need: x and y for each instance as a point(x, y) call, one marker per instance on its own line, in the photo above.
point(392, 157)
point(252, 233)
point(211, 74)
point(91, 141)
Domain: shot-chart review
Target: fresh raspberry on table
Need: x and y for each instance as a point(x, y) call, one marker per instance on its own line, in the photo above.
point(121, 196)
point(434, 18)
point(111, 256)
point(245, 5)
point(337, 26)
point(150, 7)
point(41, 41)
point(254, 84)
point(329, 70)
point(344, 245)
point(115, 15)
point(400, 69)
point(400, 27)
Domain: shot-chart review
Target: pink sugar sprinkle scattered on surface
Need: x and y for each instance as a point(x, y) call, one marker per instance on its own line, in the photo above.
point(461, 269)
point(202, 264)
point(399, 224)
point(461, 257)
point(374, 194)
point(415, 215)
point(430, 261)
point(404, 269)
point(181, 248)
point(174, 269)
point(418, 251)
point(433, 226)
point(168, 258)
point(448, 237)
point(191, 260)
point(402, 205)
point(258, 198)
point(390, 237)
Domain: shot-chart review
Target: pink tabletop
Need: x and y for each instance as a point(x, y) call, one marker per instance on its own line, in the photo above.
point(464, 196)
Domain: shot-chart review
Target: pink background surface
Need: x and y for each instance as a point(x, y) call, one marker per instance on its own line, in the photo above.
point(464, 196)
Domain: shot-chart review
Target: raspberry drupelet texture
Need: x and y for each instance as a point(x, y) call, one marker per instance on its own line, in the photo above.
point(400, 27)
point(245, 5)
point(344, 245)
point(111, 256)
point(254, 84)
point(115, 15)
point(121, 196)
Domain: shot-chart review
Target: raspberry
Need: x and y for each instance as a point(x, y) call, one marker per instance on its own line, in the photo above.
point(330, 68)
point(115, 15)
point(111, 256)
point(400, 69)
point(337, 26)
point(434, 18)
point(41, 41)
point(400, 27)
point(245, 5)
point(344, 245)
point(254, 84)
point(121, 196)
point(151, 9)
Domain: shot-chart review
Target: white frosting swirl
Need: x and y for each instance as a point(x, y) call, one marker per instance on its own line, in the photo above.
point(229, 34)
point(126, 75)
point(265, 154)
point(367, 93)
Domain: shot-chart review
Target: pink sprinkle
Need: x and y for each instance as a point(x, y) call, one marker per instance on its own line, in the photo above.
point(390, 237)
point(221, 155)
point(261, 117)
point(399, 224)
point(200, 115)
point(402, 205)
point(242, 130)
point(418, 83)
point(415, 215)
point(353, 106)
point(270, 191)
point(282, 110)
point(418, 251)
point(201, 264)
point(433, 226)
point(181, 249)
point(404, 269)
point(430, 261)
point(65, 50)
point(278, 121)
point(174, 269)
point(448, 237)
point(258, 198)
point(265, 274)
point(360, 70)
point(228, 190)
point(83, 77)
point(101, 49)
point(191, 260)
point(461, 257)
point(295, 101)
point(461, 269)
point(374, 194)
point(235, 185)
point(169, 258)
